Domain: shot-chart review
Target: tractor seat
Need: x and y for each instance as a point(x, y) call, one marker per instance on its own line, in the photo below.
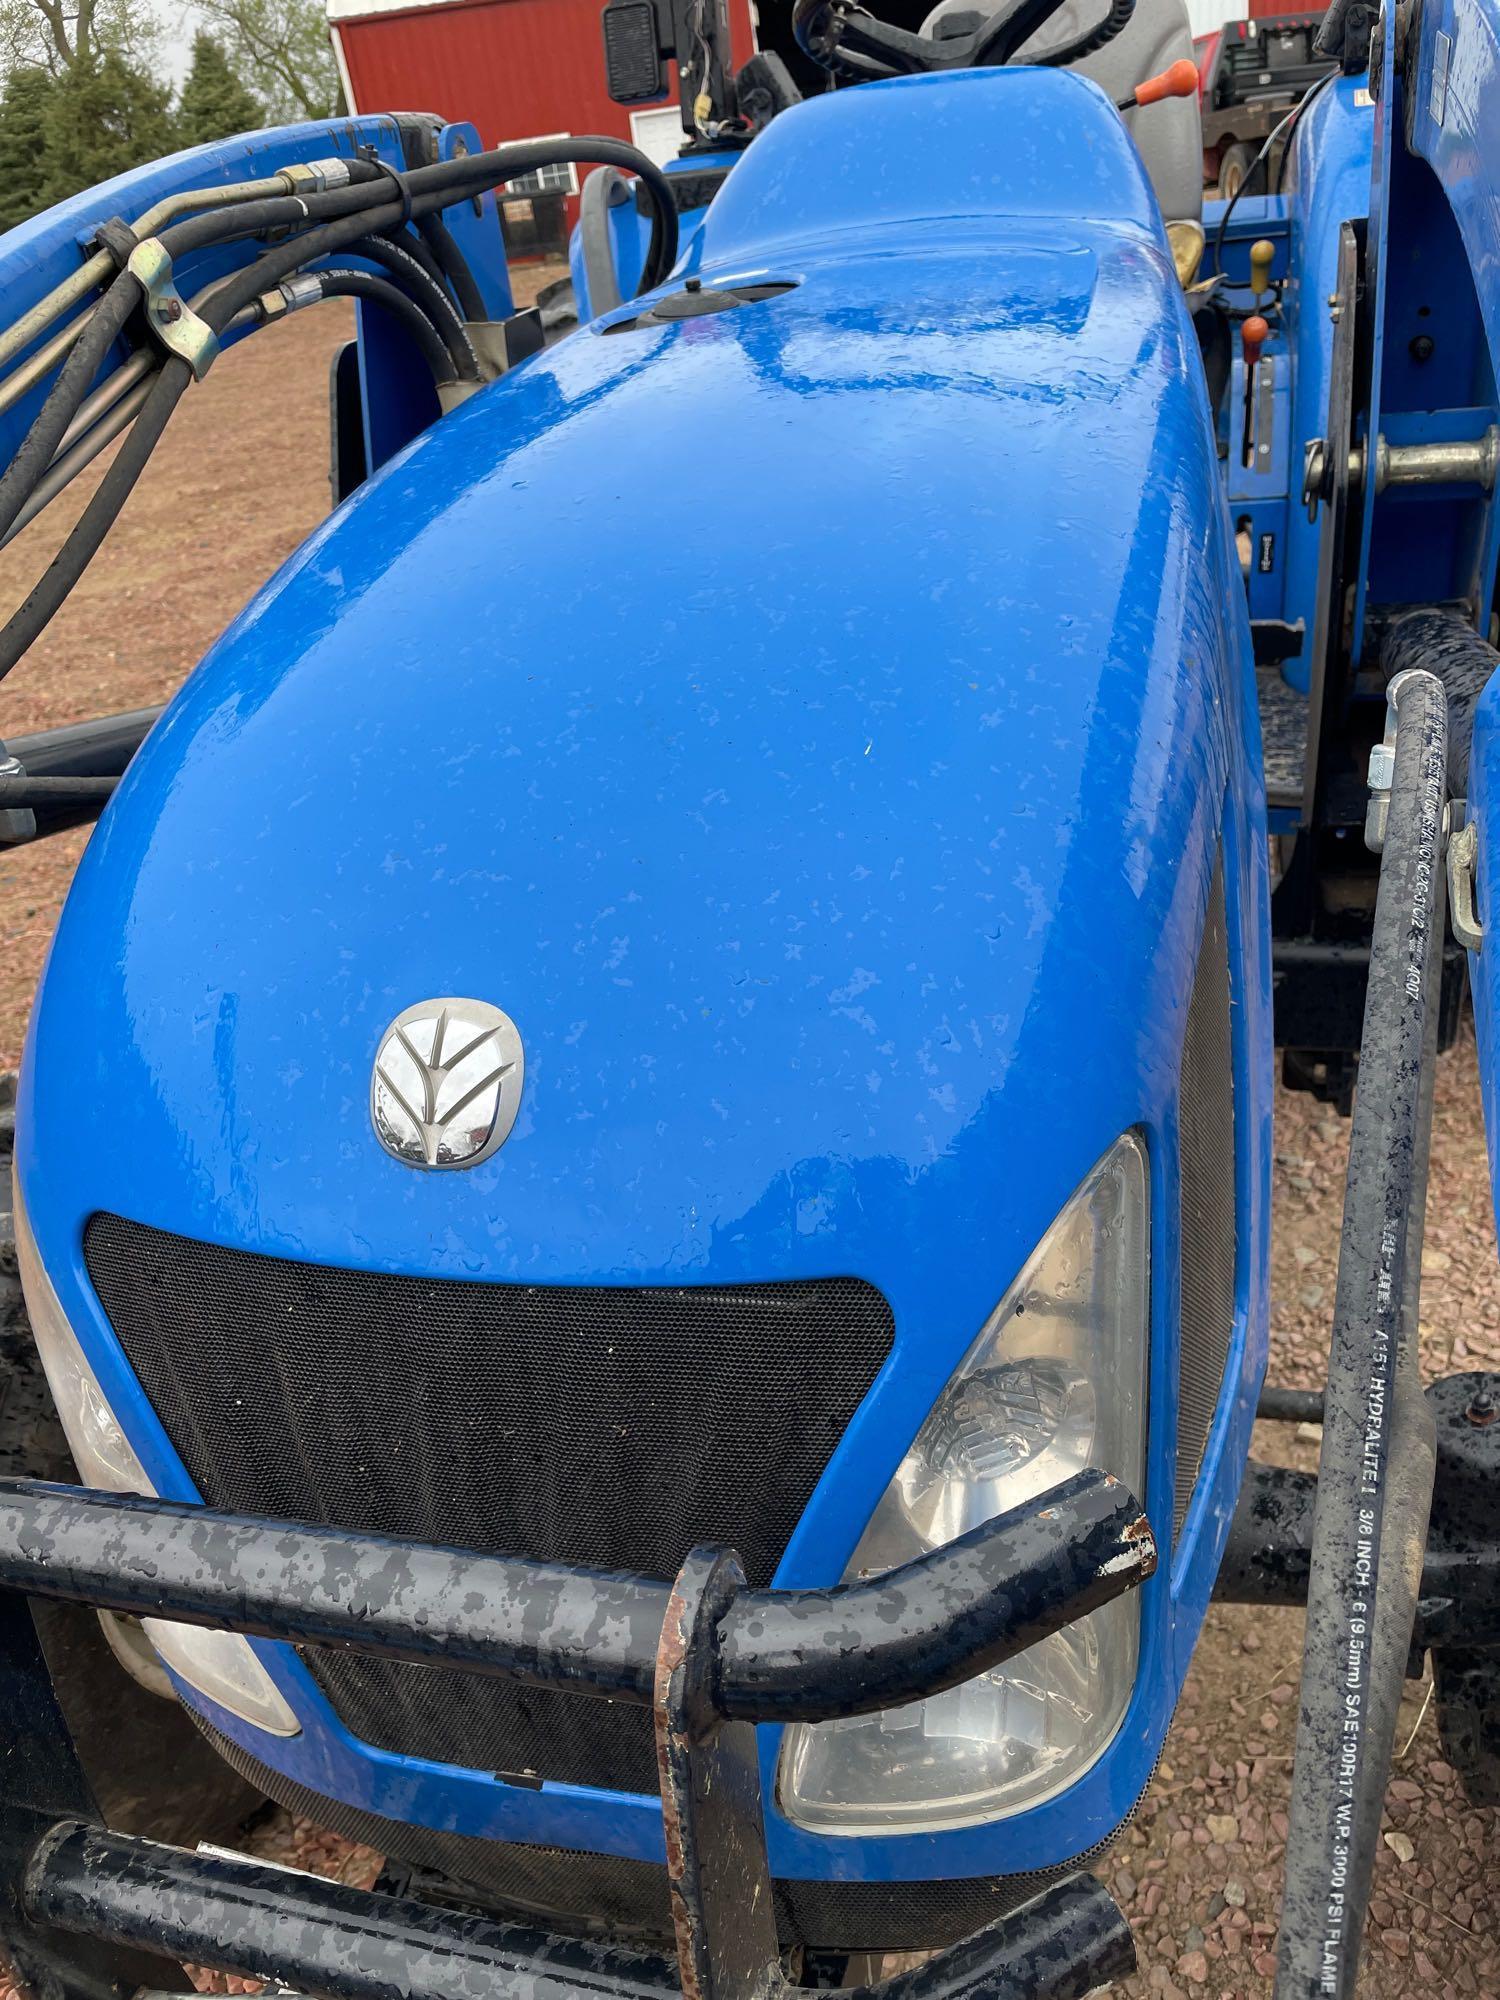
point(1170, 134)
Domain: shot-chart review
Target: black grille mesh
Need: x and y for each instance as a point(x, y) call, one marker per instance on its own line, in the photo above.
point(1206, 1137)
point(608, 1426)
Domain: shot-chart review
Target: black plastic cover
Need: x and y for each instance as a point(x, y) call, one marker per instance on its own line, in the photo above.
point(632, 51)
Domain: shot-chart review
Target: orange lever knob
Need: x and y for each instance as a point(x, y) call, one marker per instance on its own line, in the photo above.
point(1253, 336)
point(1178, 79)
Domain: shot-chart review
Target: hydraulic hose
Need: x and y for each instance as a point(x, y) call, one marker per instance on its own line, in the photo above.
point(36, 450)
point(410, 240)
point(48, 594)
point(341, 216)
point(341, 283)
point(97, 268)
point(20, 381)
point(242, 287)
point(430, 189)
point(99, 419)
point(344, 227)
point(248, 211)
point(506, 162)
point(144, 361)
point(453, 265)
point(426, 292)
point(1375, 1470)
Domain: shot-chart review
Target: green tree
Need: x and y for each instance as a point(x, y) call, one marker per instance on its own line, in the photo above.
point(102, 117)
point(284, 45)
point(80, 102)
point(23, 144)
point(214, 103)
point(59, 35)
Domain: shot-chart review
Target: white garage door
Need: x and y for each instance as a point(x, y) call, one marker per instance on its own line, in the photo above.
point(658, 134)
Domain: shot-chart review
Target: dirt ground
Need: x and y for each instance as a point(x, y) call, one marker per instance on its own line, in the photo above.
point(239, 480)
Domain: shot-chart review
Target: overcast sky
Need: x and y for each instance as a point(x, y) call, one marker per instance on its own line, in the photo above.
point(177, 21)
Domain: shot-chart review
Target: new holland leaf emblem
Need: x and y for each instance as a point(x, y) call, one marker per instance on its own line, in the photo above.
point(447, 1083)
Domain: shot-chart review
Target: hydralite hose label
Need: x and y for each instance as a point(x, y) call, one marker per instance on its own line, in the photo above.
point(1357, 1525)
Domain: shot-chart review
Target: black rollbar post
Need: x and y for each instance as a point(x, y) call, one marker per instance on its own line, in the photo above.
point(1376, 1468)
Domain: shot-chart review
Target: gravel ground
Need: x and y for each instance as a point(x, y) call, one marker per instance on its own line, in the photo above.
point(1199, 1872)
point(238, 482)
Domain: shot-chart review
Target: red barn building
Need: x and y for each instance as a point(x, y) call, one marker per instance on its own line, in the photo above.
point(517, 69)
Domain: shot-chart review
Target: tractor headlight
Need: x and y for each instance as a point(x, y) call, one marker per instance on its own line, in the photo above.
point(221, 1665)
point(1055, 1382)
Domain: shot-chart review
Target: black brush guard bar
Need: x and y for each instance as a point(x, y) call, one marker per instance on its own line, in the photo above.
point(87, 1912)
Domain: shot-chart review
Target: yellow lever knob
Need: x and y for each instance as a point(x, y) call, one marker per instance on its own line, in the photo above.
point(1262, 256)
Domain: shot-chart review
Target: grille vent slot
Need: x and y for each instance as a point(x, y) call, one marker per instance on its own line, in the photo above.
point(1207, 1147)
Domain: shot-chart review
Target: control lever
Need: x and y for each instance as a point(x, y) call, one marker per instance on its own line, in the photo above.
point(1178, 79)
point(1262, 256)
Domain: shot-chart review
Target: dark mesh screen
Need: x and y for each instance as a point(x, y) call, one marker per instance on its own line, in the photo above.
point(602, 1425)
point(1206, 1135)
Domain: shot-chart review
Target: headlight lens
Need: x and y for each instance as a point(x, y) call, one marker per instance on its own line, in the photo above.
point(221, 1665)
point(1055, 1382)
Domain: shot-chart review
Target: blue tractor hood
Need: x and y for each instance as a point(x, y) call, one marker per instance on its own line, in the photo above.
point(807, 721)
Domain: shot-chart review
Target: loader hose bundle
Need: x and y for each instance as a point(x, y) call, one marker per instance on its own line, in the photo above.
point(367, 210)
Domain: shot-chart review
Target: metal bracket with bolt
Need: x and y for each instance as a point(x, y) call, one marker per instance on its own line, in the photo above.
point(171, 319)
point(1463, 861)
point(1382, 770)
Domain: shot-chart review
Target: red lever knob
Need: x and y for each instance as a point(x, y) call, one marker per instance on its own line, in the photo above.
point(1253, 336)
point(1178, 79)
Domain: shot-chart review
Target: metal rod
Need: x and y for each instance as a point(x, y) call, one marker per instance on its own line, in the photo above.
point(806, 1655)
point(1070, 1942)
point(1459, 462)
point(1289, 1406)
point(120, 398)
point(100, 748)
point(67, 465)
point(1450, 462)
point(1376, 1467)
point(46, 358)
point(1268, 1554)
point(109, 391)
point(541, 1624)
point(94, 270)
point(787, 1655)
point(323, 1937)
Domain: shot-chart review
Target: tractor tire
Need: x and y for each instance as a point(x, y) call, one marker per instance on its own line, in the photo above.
point(1466, 1684)
point(1234, 171)
point(150, 1769)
